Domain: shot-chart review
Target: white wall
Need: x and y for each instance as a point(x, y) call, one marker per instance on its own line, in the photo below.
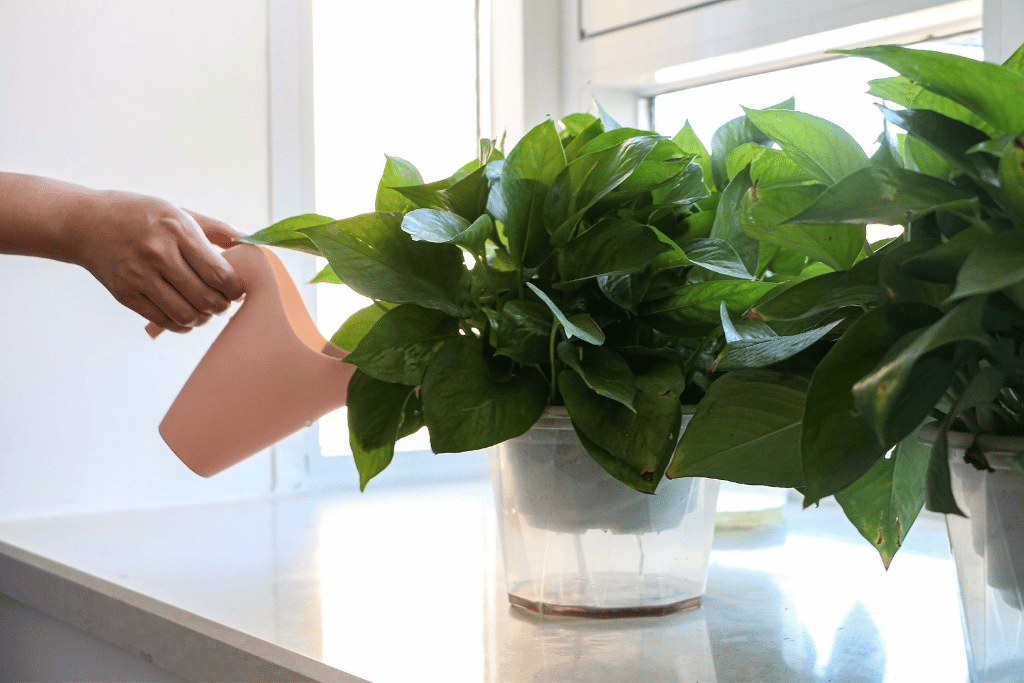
point(164, 97)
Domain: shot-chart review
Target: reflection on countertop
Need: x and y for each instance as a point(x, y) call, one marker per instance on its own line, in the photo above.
point(405, 583)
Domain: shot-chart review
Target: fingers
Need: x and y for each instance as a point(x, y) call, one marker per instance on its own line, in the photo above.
point(205, 263)
point(218, 232)
point(174, 306)
point(144, 307)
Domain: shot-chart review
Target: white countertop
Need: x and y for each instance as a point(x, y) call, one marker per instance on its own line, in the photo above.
point(404, 584)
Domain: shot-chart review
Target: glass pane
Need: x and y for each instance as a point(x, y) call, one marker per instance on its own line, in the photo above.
point(393, 77)
point(833, 89)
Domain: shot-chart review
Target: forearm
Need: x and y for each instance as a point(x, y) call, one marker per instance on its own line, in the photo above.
point(38, 216)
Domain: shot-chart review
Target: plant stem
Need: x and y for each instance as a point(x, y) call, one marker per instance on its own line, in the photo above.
point(551, 354)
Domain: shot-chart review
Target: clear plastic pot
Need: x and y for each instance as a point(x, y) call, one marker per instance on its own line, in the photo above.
point(988, 549)
point(578, 542)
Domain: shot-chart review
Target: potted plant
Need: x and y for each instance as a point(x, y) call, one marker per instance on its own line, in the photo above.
point(937, 333)
point(557, 305)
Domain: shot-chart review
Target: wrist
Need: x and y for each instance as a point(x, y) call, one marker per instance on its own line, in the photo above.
point(82, 211)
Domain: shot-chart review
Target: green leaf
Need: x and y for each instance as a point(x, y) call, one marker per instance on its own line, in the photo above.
point(625, 290)
point(399, 347)
point(633, 446)
point(664, 163)
point(993, 92)
point(686, 188)
point(611, 246)
point(581, 325)
point(898, 394)
point(943, 262)
point(982, 390)
point(837, 445)
point(884, 503)
point(1016, 61)
point(731, 135)
point(602, 370)
point(524, 332)
point(375, 412)
point(901, 91)
point(465, 408)
point(947, 136)
point(820, 147)
point(444, 227)
point(746, 429)
point(888, 195)
point(428, 196)
point(326, 276)
point(824, 294)
point(286, 233)
point(766, 214)
point(433, 225)
point(358, 324)
point(375, 258)
point(580, 142)
point(727, 226)
point(1011, 180)
point(412, 417)
point(468, 196)
point(692, 310)
point(760, 352)
point(691, 144)
point(397, 173)
point(773, 167)
point(888, 153)
point(716, 255)
point(923, 159)
point(996, 262)
point(528, 172)
point(743, 156)
point(589, 178)
point(577, 123)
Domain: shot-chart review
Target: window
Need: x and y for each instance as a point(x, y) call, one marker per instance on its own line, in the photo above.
point(396, 77)
point(832, 89)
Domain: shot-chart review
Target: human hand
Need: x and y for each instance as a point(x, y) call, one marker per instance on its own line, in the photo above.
point(157, 259)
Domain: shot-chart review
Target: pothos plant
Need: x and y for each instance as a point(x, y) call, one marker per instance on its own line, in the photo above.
point(591, 267)
point(936, 316)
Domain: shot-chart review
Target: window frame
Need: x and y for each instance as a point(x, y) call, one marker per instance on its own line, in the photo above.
point(298, 465)
point(618, 66)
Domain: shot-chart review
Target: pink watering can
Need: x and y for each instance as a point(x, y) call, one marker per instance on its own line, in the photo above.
point(268, 374)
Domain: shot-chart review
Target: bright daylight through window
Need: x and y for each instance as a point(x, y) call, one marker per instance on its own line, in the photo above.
point(833, 89)
point(418, 103)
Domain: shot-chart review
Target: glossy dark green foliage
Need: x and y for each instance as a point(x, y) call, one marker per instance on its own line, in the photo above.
point(376, 411)
point(286, 233)
point(884, 503)
point(399, 346)
point(466, 407)
point(613, 270)
point(634, 444)
point(883, 194)
point(586, 268)
point(838, 446)
point(991, 92)
point(376, 258)
point(747, 430)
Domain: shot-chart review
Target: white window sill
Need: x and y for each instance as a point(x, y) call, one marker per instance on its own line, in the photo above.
point(404, 583)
